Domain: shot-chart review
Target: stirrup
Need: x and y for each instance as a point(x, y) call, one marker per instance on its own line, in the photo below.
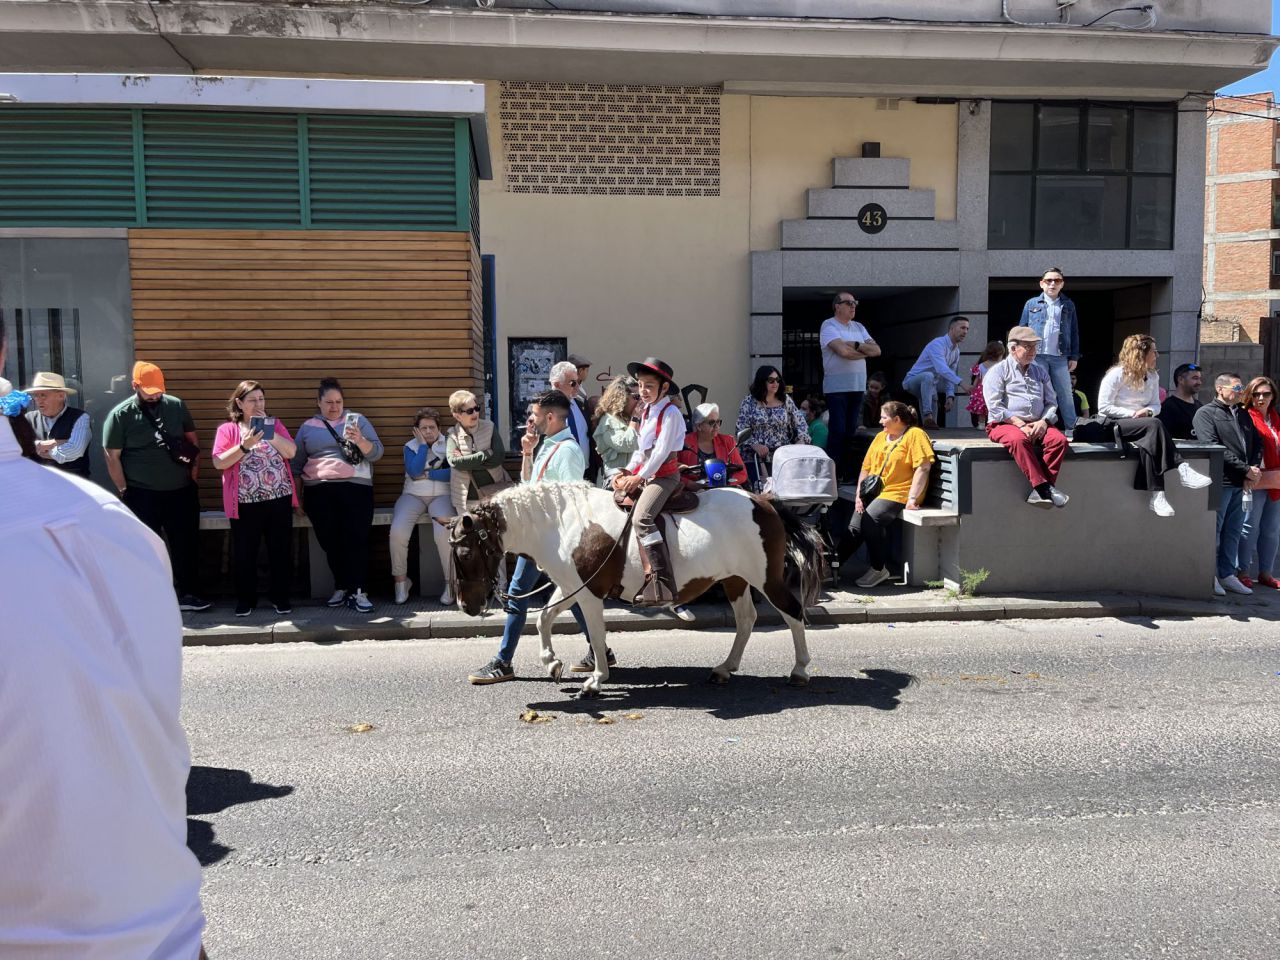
point(651, 593)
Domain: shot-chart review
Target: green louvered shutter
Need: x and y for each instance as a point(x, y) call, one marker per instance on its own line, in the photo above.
point(206, 169)
point(383, 173)
point(66, 168)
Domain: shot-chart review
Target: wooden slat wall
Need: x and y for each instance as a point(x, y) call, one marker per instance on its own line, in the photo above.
point(394, 315)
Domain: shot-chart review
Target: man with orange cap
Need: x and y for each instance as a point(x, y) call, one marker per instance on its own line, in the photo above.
point(152, 454)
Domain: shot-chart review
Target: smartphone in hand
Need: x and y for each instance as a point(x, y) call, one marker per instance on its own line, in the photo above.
point(256, 424)
point(353, 421)
point(268, 428)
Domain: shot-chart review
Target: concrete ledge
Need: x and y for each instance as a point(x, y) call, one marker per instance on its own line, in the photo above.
point(847, 235)
point(825, 202)
point(871, 172)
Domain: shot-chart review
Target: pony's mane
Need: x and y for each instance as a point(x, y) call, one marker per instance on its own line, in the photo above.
point(544, 497)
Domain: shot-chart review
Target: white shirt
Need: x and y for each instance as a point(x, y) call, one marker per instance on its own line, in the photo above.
point(93, 760)
point(838, 374)
point(654, 447)
point(1118, 399)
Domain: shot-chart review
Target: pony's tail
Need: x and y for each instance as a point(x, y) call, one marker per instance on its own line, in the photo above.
point(805, 566)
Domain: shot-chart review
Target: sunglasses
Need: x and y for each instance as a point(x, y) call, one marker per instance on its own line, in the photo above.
point(1262, 393)
point(773, 380)
point(469, 410)
point(1047, 280)
point(572, 383)
point(1192, 366)
point(846, 303)
point(1238, 388)
point(714, 423)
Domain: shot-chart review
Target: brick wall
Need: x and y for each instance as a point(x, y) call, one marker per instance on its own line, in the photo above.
point(1239, 193)
point(1243, 206)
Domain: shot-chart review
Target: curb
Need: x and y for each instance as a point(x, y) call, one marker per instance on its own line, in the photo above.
point(336, 626)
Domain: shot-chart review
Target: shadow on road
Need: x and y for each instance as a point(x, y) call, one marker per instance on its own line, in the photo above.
point(639, 688)
point(212, 790)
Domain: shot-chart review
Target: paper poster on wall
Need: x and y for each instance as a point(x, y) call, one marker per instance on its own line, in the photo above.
point(531, 360)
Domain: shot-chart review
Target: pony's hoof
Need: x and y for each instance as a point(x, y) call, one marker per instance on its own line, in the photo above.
point(718, 678)
point(797, 680)
point(585, 694)
point(554, 669)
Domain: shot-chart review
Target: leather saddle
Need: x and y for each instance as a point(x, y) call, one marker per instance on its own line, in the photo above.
point(682, 501)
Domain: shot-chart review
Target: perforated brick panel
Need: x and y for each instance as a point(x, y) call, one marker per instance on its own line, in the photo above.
point(611, 139)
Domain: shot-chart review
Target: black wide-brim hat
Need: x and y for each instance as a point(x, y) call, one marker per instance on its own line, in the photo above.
point(656, 367)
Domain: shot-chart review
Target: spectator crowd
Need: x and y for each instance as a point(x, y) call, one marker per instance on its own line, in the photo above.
point(1022, 391)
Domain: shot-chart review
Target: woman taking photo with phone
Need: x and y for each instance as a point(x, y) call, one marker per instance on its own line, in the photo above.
point(336, 450)
point(253, 452)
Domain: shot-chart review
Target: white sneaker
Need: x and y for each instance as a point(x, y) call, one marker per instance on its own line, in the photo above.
point(872, 578)
point(446, 598)
point(361, 602)
point(338, 597)
point(402, 590)
point(1192, 478)
point(1217, 588)
point(684, 613)
point(1159, 505)
point(1233, 584)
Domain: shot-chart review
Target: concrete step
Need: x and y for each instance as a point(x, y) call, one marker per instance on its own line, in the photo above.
point(847, 235)
point(847, 201)
point(878, 172)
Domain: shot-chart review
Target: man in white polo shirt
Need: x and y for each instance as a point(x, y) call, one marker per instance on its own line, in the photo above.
point(845, 348)
point(93, 854)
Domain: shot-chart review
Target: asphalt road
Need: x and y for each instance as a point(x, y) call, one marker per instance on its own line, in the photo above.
point(1084, 788)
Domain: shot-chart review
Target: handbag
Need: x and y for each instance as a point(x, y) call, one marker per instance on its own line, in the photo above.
point(1270, 481)
point(873, 485)
point(350, 452)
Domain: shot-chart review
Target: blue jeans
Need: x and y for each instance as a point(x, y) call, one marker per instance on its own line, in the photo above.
point(925, 386)
point(844, 410)
point(1261, 534)
point(1060, 376)
point(1230, 527)
point(526, 577)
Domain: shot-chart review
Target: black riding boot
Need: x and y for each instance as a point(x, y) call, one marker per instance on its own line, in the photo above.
point(659, 588)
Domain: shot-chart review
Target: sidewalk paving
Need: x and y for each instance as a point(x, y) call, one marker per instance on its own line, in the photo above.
point(420, 618)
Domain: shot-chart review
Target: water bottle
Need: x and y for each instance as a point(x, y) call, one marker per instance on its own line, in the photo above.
point(1246, 499)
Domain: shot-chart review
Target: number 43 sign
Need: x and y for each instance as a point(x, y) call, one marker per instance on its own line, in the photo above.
point(872, 218)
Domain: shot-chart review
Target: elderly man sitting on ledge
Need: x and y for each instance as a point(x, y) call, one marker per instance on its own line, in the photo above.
point(1021, 405)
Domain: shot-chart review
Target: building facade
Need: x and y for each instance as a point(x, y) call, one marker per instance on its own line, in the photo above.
point(696, 180)
point(1242, 219)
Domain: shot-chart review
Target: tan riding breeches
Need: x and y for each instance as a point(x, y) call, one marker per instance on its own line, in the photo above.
point(649, 504)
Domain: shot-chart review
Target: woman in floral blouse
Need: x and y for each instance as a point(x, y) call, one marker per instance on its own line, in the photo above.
point(774, 419)
point(257, 495)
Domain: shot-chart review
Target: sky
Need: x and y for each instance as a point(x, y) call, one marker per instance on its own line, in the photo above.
point(1268, 79)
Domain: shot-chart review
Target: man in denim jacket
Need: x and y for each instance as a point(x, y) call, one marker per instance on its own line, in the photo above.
point(1053, 317)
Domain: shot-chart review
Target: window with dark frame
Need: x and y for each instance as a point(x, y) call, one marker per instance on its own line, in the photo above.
point(1081, 176)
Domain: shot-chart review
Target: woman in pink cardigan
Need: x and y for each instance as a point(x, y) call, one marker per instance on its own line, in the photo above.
point(253, 452)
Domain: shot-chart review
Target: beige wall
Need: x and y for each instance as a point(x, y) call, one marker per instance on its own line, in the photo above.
point(794, 140)
point(627, 277)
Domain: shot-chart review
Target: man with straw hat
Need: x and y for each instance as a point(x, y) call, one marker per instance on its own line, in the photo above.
point(62, 431)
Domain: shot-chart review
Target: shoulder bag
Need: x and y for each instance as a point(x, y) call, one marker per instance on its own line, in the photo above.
point(873, 484)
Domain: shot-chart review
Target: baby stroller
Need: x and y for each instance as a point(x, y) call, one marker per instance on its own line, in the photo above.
point(804, 480)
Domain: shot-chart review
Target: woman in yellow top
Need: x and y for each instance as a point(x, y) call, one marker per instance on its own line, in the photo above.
point(902, 455)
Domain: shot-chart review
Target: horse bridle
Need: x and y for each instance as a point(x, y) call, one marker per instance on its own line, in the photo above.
point(487, 552)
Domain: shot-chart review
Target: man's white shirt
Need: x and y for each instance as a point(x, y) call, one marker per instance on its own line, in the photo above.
point(93, 856)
